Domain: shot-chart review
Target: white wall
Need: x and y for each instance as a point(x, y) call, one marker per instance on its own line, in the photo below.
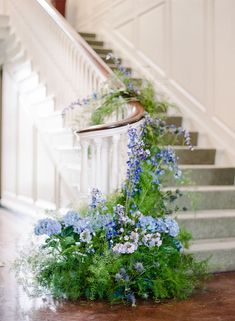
point(187, 45)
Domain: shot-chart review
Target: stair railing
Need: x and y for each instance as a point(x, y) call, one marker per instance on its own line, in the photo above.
point(65, 60)
point(73, 70)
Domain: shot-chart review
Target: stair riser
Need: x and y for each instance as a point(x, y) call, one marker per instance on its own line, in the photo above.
point(67, 139)
point(205, 228)
point(174, 120)
point(93, 42)
point(203, 157)
point(207, 177)
point(72, 157)
point(29, 84)
point(177, 141)
point(51, 122)
point(220, 260)
point(102, 50)
point(206, 200)
point(88, 35)
point(43, 108)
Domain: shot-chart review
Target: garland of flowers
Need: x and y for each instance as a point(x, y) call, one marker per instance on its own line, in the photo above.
point(127, 246)
point(113, 96)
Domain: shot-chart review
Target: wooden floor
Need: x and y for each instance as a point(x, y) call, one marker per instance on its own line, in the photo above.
point(215, 303)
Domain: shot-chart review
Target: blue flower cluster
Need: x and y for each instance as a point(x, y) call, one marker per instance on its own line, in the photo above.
point(48, 227)
point(71, 218)
point(136, 154)
point(162, 225)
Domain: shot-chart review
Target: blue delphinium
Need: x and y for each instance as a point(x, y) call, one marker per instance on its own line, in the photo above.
point(97, 199)
point(70, 218)
point(47, 226)
point(136, 154)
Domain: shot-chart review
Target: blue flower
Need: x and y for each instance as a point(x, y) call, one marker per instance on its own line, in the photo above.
point(70, 218)
point(178, 245)
point(161, 226)
point(172, 226)
point(48, 227)
point(82, 224)
point(136, 154)
point(139, 267)
point(148, 223)
point(97, 199)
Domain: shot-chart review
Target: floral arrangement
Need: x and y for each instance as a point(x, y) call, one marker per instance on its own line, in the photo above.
point(124, 247)
point(119, 90)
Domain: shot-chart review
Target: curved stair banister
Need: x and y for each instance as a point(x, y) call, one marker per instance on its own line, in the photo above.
point(104, 153)
point(72, 70)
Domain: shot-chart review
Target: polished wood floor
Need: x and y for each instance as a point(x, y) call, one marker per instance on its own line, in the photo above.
point(215, 303)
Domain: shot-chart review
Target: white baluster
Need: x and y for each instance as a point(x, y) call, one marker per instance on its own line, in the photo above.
point(105, 165)
point(84, 166)
point(97, 142)
point(115, 163)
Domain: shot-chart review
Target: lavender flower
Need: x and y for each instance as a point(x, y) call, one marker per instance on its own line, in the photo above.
point(48, 227)
point(71, 218)
point(126, 248)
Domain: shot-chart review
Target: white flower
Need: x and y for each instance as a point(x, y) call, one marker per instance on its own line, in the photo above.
point(85, 236)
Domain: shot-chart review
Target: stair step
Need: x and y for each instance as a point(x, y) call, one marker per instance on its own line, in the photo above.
point(208, 175)
point(208, 224)
point(201, 156)
point(96, 43)
point(198, 198)
point(62, 136)
point(23, 71)
point(51, 121)
point(69, 154)
point(179, 140)
point(111, 60)
point(174, 120)
point(36, 94)
point(101, 50)
point(86, 35)
point(44, 107)
point(29, 83)
point(220, 251)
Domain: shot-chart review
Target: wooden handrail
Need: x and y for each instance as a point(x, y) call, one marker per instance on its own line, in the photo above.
point(78, 41)
point(74, 36)
point(137, 115)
